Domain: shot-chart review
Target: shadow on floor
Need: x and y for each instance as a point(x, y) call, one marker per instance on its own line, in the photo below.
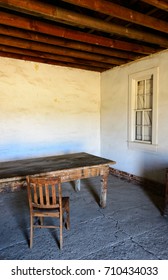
point(130, 227)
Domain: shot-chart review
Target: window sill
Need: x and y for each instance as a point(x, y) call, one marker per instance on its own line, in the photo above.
point(142, 146)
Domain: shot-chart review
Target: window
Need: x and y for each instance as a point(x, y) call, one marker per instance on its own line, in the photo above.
point(143, 109)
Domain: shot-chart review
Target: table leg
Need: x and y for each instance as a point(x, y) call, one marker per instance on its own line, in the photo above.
point(77, 185)
point(103, 194)
point(165, 211)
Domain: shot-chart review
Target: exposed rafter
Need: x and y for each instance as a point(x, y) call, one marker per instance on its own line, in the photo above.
point(160, 4)
point(49, 61)
point(58, 14)
point(19, 33)
point(114, 10)
point(15, 42)
point(49, 29)
point(54, 57)
point(95, 35)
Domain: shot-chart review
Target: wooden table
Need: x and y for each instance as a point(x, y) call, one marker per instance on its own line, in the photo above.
point(71, 167)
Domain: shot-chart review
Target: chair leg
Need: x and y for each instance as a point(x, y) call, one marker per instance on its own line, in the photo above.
point(31, 231)
point(61, 237)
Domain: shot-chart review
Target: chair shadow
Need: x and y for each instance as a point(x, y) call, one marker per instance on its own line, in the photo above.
point(54, 232)
point(54, 235)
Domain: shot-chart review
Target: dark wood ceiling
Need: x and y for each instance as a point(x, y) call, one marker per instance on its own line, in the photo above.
point(87, 34)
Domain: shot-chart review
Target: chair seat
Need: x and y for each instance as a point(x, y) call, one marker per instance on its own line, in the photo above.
point(52, 212)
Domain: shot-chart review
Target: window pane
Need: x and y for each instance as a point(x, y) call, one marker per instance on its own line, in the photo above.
point(139, 118)
point(147, 133)
point(138, 133)
point(147, 126)
point(149, 86)
point(149, 90)
point(141, 87)
point(138, 130)
point(140, 94)
point(148, 118)
point(148, 101)
point(140, 101)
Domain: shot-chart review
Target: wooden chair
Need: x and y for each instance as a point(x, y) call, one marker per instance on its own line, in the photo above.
point(45, 200)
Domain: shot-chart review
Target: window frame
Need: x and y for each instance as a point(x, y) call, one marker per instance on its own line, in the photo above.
point(133, 79)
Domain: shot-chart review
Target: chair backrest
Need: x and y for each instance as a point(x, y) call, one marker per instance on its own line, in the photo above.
point(44, 192)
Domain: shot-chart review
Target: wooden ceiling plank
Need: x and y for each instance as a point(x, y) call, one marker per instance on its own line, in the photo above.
point(16, 42)
point(51, 62)
point(45, 55)
point(19, 33)
point(118, 11)
point(50, 29)
point(160, 4)
point(54, 13)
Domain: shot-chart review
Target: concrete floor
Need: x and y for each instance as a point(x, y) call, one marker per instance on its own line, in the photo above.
point(130, 227)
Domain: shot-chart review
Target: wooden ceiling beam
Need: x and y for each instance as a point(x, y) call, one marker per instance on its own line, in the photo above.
point(50, 29)
point(53, 13)
point(44, 55)
point(16, 42)
point(19, 33)
point(50, 62)
point(160, 4)
point(118, 11)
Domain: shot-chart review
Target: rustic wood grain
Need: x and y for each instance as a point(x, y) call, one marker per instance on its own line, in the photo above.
point(69, 167)
point(22, 168)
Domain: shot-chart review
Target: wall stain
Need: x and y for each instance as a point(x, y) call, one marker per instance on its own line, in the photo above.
point(36, 66)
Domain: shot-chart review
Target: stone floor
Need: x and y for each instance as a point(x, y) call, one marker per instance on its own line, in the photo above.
point(130, 227)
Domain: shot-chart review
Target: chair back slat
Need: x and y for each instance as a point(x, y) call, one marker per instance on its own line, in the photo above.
point(43, 192)
point(53, 194)
point(47, 195)
point(41, 196)
point(35, 193)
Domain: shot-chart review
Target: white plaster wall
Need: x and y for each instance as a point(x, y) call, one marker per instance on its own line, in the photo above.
point(46, 110)
point(114, 120)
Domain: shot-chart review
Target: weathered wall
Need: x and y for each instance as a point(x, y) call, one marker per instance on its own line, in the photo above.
point(114, 120)
point(46, 110)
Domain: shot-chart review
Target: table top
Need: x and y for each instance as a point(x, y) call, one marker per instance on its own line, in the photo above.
point(19, 168)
